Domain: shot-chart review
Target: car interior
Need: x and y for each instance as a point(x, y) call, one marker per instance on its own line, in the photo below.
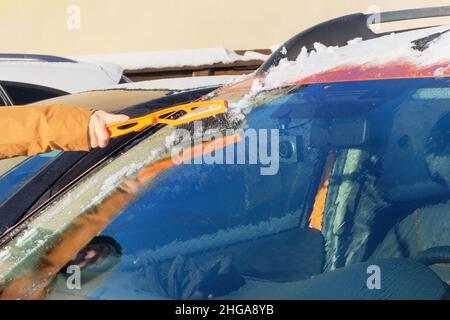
point(380, 208)
point(386, 190)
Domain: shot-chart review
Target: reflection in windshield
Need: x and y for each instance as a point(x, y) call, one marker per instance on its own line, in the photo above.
point(11, 181)
point(86, 227)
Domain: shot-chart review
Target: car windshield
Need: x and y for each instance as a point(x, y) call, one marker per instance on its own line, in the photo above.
point(343, 173)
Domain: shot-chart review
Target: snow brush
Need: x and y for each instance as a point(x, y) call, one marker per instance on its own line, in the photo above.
point(192, 111)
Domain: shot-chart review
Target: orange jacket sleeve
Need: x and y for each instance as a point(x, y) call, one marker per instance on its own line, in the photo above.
point(26, 131)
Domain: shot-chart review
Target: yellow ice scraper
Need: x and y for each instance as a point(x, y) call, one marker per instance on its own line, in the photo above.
point(191, 112)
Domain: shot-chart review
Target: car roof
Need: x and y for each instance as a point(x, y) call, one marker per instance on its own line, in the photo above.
point(392, 56)
point(57, 72)
point(339, 31)
point(388, 57)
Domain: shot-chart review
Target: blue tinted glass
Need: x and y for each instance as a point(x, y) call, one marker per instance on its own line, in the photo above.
point(18, 176)
point(362, 174)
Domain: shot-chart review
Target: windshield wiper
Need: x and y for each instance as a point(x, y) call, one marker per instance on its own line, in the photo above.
point(423, 43)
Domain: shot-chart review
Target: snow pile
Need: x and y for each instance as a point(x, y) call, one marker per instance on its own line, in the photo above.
point(379, 51)
point(180, 83)
point(252, 55)
point(174, 58)
point(393, 48)
point(236, 108)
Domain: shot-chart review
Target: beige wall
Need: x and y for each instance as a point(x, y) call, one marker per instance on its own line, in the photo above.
point(40, 26)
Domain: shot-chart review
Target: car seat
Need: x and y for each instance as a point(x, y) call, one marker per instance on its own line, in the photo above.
point(427, 229)
point(372, 190)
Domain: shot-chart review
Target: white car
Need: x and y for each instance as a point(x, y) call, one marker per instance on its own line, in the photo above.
point(29, 78)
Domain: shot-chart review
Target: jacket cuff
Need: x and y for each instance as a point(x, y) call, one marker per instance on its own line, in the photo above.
point(82, 141)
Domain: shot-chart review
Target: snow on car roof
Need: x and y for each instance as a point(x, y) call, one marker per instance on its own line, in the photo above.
point(384, 52)
point(387, 57)
point(173, 58)
point(67, 76)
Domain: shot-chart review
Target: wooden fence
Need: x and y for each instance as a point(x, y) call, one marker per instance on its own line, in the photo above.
point(236, 68)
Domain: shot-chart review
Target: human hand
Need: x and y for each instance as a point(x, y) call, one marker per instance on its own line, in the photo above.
point(98, 134)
